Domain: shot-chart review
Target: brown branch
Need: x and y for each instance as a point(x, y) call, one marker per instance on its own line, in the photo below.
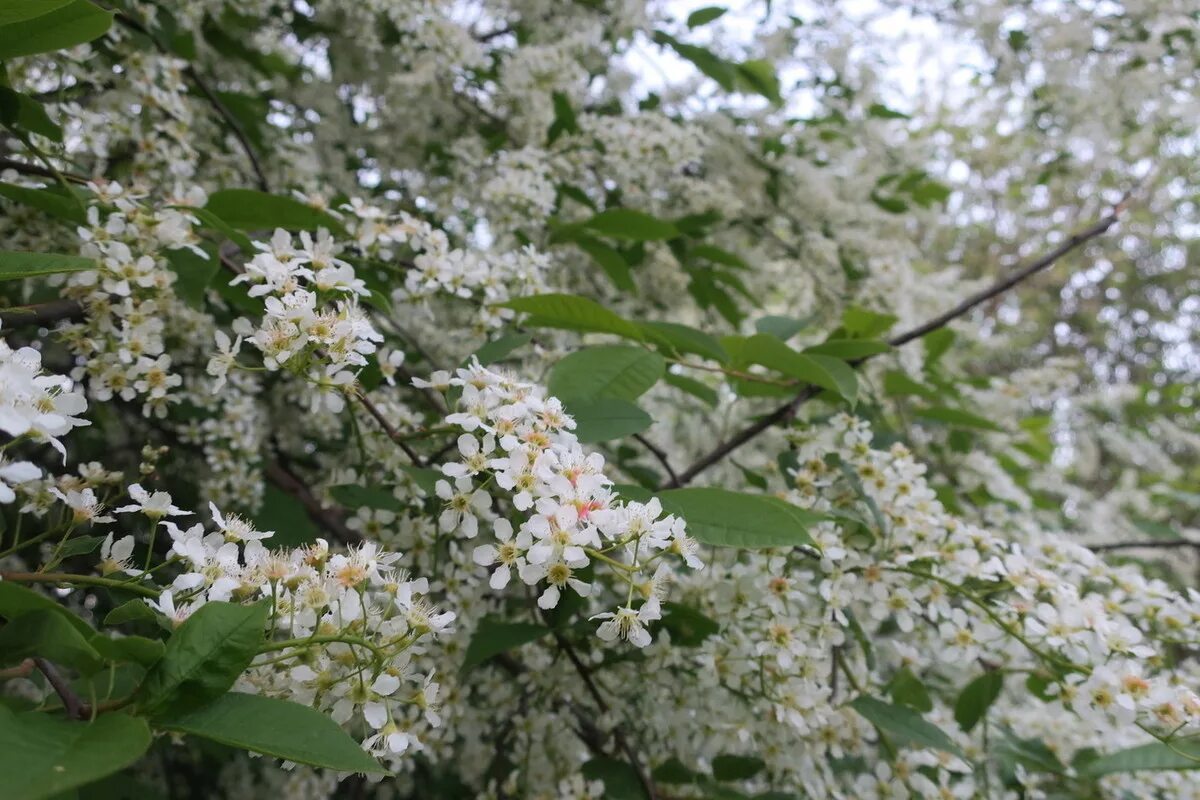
point(389, 429)
point(659, 454)
point(40, 314)
point(1099, 548)
point(75, 708)
point(21, 670)
point(327, 518)
point(786, 411)
point(623, 743)
point(39, 171)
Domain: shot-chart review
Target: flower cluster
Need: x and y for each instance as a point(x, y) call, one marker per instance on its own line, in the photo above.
point(341, 627)
point(313, 324)
point(567, 516)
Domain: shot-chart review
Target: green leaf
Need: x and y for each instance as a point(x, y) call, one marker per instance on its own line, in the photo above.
point(693, 387)
point(683, 339)
point(20, 10)
point(17, 266)
point(16, 600)
point(936, 344)
point(880, 111)
point(604, 418)
point(495, 636)
point(906, 689)
point(611, 261)
point(204, 657)
point(278, 728)
point(279, 512)
point(64, 27)
point(499, 349)
point(24, 112)
point(977, 698)
point(621, 781)
point(47, 633)
point(736, 768)
point(564, 118)
point(717, 256)
point(53, 202)
point(759, 76)
point(250, 209)
point(1153, 756)
point(688, 627)
point(616, 371)
point(904, 724)
point(782, 328)
point(703, 16)
point(957, 417)
point(898, 384)
point(573, 313)
point(134, 649)
point(823, 371)
point(708, 62)
point(193, 274)
point(41, 757)
point(210, 220)
point(734, 519)
point(355, 497)
point(867, 324)
point(80, 545)
point(131, 611)
point(626, 223)
point(849, 349)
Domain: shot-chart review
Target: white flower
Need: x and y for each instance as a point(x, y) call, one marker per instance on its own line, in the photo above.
point(155, 506)
point(463, 503)
point(115, 555)
point(236, 529)
point(13, 473)
point(628, 624)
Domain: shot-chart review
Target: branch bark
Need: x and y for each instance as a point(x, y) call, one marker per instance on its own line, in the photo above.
point(40, 314)
point(786, 411)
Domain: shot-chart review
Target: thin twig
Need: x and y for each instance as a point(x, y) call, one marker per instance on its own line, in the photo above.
point(786, 411)
point(389, 429)
point(75, 708)
point(39, 171)
point(658, 453)
point(1099, 548)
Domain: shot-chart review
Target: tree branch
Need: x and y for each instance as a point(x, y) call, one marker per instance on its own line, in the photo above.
point(1156, 545)
point(39, 171)
point(75, 708)
point(659, 454)
point(319, 513)
point(40, 314)
point(786, 411)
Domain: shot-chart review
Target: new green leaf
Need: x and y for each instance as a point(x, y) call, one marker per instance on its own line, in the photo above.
point(17, 266)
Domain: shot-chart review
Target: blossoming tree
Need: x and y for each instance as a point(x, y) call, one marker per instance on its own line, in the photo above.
point(415, 399)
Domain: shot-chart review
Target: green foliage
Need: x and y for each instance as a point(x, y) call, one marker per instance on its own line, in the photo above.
point(972, 705)
point(250, 209)
point(42, 757)
point(574, 313)
point(494, 636)
point(732, 519)
point(275, 728)
point(601, 419)
point(904, 724)
point(25, 32)
point(203, 658)
point(616, 371)
point(19, 266)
